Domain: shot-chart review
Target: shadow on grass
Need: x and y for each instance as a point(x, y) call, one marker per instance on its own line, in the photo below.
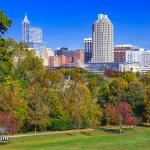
point(111, 130)
point(86, 133)
point(144, 125)
point(81, 132)
point(70, 134)
point(117, 129)
point(5, 143)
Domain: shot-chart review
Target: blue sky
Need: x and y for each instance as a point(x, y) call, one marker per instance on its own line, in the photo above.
point(67, 22)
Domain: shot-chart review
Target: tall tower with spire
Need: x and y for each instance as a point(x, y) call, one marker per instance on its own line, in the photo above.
point(25, 29)
point(32, 36)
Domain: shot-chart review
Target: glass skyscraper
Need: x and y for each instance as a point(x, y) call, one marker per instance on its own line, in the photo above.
point(32, 36)
point(103, 42)
point(25, 29)
point(35, 34)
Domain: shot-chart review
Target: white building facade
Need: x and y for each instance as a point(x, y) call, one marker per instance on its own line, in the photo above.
point(145, 58)
point(140, 56)
point(45, 55)
point(103, 40)
point(35, 34)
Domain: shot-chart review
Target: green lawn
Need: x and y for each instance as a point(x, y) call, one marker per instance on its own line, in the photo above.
point(91, 140)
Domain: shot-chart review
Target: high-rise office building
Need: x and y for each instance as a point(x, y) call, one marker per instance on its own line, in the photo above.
point(32, 36)
point(25, 29)
point(87, 49)
point(35, 34)
point(103, 40)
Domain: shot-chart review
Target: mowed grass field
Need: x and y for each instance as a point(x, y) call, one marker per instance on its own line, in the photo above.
point(85, 140)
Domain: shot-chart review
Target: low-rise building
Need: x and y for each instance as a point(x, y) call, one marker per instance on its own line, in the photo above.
point(134, 67)
point(120, 52)
point(129, 67)
point(75, 58)
point(101, 67)
point(45, 55)
point(145, 58)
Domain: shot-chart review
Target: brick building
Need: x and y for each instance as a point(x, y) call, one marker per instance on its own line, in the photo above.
point(75, 58)
point(120, 52)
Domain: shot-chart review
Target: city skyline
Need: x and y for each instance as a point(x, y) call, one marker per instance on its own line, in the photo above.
point(66, 25)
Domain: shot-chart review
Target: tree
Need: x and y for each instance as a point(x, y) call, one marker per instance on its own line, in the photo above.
point(51, 98)
point(12, 100)
point(78, 105)
point(112, 73)
point(117, 88)
point(76, 74)
point(145, 79)
point(147, 103)
point(94, 82)
point(38, 110)
point(130, 77)
point(8, 123)
point(111, 114)
point(125, 114)
point(120, 114)
point(29, 68)
point(30, 65)
point(6, 55)
point(5, 22)
point(5, 71)
point(103, 97)
point(135, 96)
point(55, 79)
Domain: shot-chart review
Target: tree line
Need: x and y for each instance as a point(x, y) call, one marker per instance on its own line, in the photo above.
point(33, 98)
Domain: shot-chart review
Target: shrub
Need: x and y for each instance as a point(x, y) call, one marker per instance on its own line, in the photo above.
point(64, 123)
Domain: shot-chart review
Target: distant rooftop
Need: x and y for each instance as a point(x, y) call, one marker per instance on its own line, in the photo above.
point(88, 39)
point(126, 45)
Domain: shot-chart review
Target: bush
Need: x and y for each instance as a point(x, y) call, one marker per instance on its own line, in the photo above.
point(64, 123)
point(61, 124)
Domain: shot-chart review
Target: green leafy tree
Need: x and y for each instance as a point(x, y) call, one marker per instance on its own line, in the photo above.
point(12, 99)
point(117, 88)
point(135, 96)
point(52, 99)
point(130, 77)
point(78, 104)
point(6, 55)
point(94, 83)
point(147, 103)
point(29, 68)
point(5, 22)
point(103, 97)
point(145, 79)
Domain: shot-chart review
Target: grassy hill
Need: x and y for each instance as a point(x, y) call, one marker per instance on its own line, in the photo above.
point(85, 140)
